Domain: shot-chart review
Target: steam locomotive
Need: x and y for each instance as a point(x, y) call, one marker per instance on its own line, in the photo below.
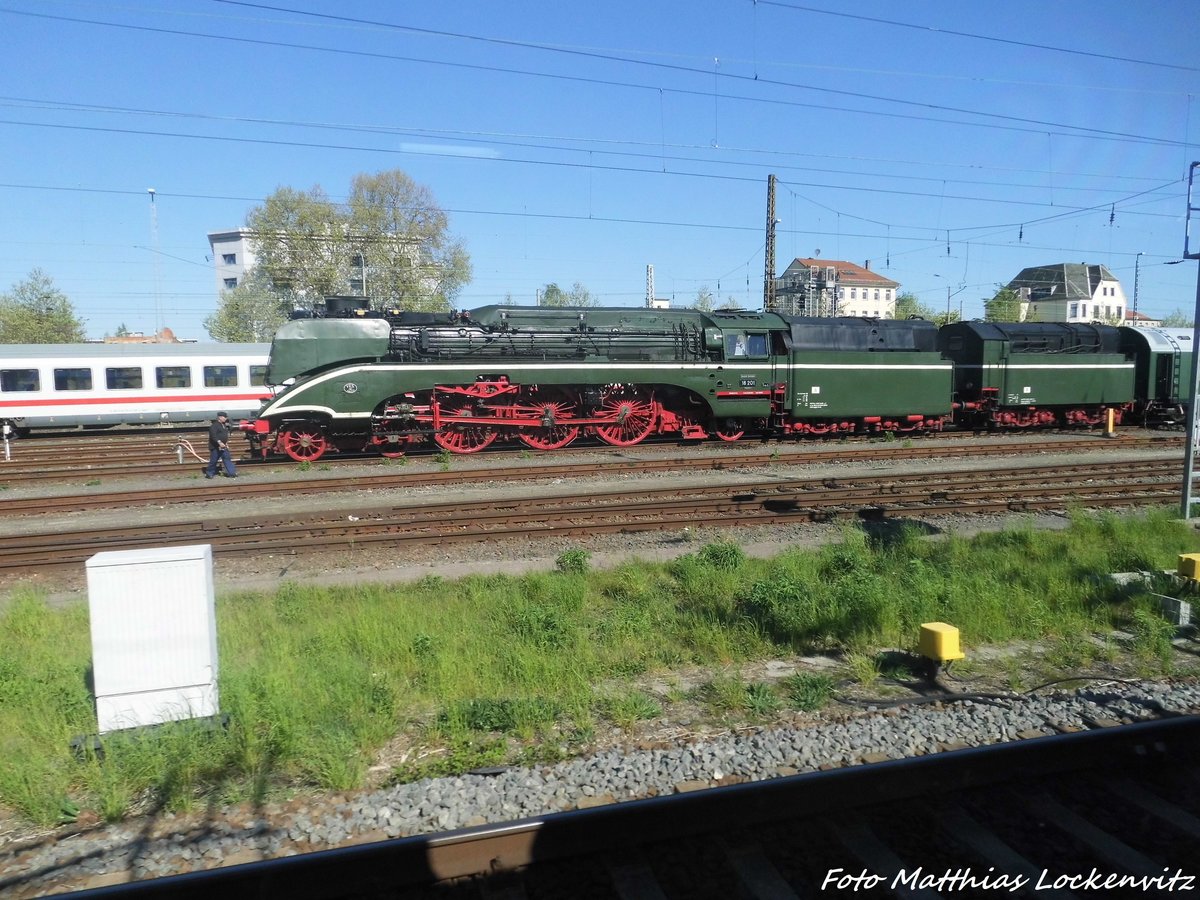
point(352, 378)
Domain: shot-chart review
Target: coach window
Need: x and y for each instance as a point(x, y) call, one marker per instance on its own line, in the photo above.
point(258, 376)
point(173, 376)
point(123, 378)
point(19, 380)
point(72, 379)
point(220, 376)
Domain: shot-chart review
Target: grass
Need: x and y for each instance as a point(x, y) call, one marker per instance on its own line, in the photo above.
point(316, 682)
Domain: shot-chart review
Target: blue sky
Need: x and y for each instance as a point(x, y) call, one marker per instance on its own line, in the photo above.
point(951, 144)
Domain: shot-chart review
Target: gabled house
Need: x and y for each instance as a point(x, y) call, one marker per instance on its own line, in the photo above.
point(834, 287)
point(1070, 292)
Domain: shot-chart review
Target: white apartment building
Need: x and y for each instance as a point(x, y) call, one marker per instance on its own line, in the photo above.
point(834, 287)
point(1070, 292)
point(233, 256)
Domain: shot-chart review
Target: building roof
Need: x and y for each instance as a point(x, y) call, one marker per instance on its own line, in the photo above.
point(1132, 315)
point(848, 272)
point(1061, 281)
point(166, 336)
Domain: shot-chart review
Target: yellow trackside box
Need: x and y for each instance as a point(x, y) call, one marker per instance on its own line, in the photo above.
point(1189, 565)
point(939, 642)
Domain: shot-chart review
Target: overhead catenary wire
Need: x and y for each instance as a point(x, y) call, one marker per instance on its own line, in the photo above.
point(992, 119)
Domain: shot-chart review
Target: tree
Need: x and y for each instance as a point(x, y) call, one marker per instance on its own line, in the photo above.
point(36, 312)
point(1178, 319)
point(402, 234)
point(390, 241)
point(553, 295)
point(705, 301)
point(121, 331)
point(300, 245)
point(1005, 306)
point(250, 313)
point(908, 306)
point(581, 296)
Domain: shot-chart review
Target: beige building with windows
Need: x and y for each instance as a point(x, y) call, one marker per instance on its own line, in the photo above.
point(1070, 292)
point(834, 287)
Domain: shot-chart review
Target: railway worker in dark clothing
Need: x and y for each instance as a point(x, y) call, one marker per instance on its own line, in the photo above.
point(218, 447)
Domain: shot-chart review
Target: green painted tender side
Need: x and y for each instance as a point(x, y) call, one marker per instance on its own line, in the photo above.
point(1039, 365)
point(844, 385)
point(851, 368)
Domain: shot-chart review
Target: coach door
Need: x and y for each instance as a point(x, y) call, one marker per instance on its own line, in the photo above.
point(1168, 374)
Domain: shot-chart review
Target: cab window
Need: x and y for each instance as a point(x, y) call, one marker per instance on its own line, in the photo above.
point(740, 343)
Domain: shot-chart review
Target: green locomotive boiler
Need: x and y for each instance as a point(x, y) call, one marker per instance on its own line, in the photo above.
point(353, 379)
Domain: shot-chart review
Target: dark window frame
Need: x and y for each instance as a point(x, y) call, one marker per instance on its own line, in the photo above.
point(219, 376)
point(121, 378)
point(9, 382)
point(73, 379)
point(163, 373)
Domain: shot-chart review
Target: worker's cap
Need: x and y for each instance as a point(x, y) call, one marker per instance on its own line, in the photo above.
point(222, 415)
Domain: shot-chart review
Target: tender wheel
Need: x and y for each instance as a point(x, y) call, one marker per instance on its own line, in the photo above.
point(459, 437)
point(303, 444)
point(633, 415)
point(551, 406)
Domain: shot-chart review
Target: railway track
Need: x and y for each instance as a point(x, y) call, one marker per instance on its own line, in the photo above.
point(767, 502)
point(385, 475)
point(1113, 810)
point(128, 457)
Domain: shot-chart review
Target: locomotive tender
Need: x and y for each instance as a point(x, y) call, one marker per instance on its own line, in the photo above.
point(354, 378)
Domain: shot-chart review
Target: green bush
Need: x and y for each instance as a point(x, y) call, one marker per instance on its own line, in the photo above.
point(725, 555)
point(573, 562)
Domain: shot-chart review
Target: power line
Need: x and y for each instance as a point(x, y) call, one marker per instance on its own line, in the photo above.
point(516, 160)
point(1041, 125)
point(612, 57)
point(479, 137)
point(933, 29)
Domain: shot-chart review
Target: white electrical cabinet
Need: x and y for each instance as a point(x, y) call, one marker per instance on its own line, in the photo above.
point(154, 635)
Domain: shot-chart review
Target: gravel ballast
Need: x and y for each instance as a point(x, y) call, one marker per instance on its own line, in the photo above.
point(173, 844)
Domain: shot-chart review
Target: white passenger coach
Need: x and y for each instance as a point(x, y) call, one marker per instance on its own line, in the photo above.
point(68, 385)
